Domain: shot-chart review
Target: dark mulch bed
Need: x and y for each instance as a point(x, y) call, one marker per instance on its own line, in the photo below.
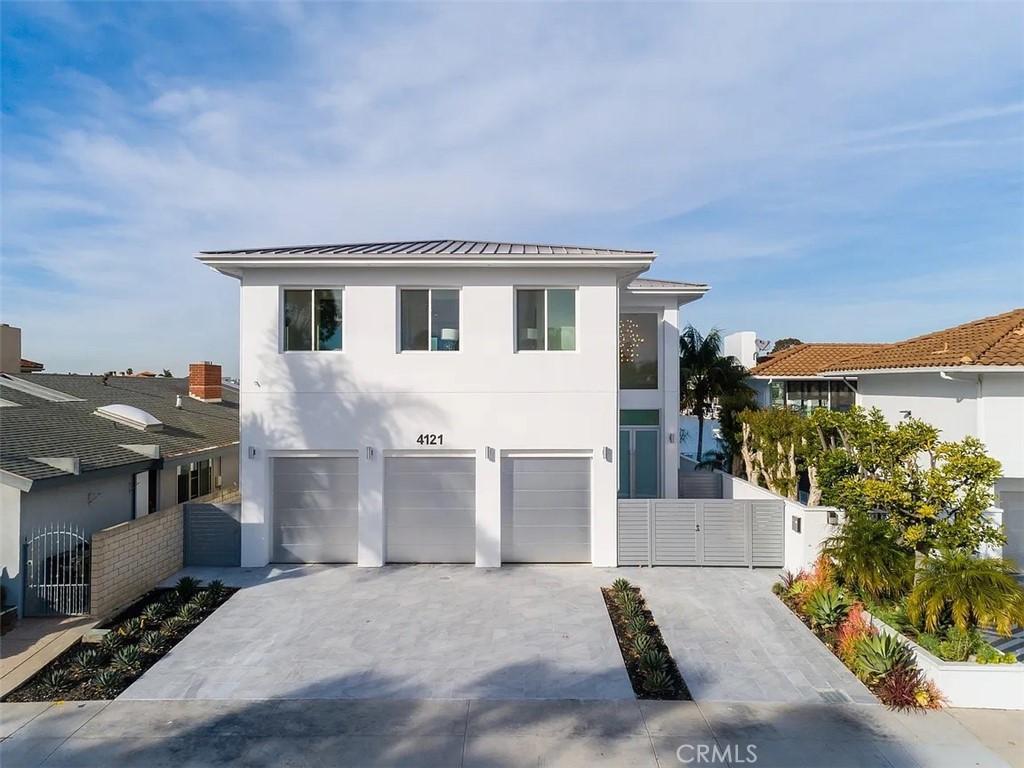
point(678, 691)
point(34, 689)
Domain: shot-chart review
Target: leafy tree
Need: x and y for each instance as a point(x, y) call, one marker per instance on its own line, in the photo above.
point(868, 557)
point(705, 375)
point(773, 448)
point(933, 493)
point(730, 407)
point(785, 343)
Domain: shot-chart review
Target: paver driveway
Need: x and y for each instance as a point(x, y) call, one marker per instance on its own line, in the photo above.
point(534, 632)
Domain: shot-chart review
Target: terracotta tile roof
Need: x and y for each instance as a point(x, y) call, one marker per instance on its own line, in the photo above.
point(996, 340)
point(810, 359)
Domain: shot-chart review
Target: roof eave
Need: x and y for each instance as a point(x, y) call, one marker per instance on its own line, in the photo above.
point(927, 369)
point(23, 484)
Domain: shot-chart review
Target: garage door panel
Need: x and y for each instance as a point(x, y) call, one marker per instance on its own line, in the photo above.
point(430, 509)
point(315, 513)
point(546, 510)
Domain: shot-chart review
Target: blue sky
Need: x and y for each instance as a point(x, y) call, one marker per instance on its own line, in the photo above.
point(834, 172)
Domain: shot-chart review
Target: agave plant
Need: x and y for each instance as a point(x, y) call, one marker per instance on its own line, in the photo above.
point(153, 643)
point(642, 642)
point(621, 585)
point(626, 600)
point(87, 663)
point(111, 642)
point(875, 656)
point(127, 660)
point(107, 683)
point(190, 613)
point(173, 626)
point(130, 629)
point(55, 681)
point(638, 624)
point(204, 601)
point(958, 588)
point(658, 681)
point(216, 589)
point(653, 659)
point(153, 614)
point(186, 588)
point(826, 608)
point(867, 556)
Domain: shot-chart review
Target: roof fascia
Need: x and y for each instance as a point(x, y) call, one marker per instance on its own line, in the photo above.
point(928, 369)
point(23, 484)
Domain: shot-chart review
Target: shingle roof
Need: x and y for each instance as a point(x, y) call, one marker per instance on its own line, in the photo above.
point(996, 340)
point(645, 282)
point(431, 247)
point(810, 359)
point(42, 428)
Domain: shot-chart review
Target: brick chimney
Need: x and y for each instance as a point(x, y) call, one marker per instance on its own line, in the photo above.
point(10, 349)
point(204, 382)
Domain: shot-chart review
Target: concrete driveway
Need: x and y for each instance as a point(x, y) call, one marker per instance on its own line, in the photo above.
point(400, 632)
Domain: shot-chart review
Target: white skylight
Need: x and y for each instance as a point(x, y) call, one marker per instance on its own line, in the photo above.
point(130, 416)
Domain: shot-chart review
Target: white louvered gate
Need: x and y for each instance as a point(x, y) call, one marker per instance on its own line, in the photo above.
point(707, 532)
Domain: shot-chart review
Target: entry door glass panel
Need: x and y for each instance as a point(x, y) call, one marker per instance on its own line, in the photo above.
point(625, 465)
point(645, 463)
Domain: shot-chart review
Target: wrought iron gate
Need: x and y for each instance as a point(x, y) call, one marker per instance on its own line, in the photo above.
point(57, 571)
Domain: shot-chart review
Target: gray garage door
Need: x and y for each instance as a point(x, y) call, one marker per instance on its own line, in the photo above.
point(316, 510)
point(430, 509)
point(545, 511)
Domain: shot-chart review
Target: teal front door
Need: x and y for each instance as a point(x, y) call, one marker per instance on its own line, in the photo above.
point(638, 463)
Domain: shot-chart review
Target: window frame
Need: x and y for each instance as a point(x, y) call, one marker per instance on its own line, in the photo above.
point(575, 318)
point(430, 317)
point(658, 331)
point(312, 319)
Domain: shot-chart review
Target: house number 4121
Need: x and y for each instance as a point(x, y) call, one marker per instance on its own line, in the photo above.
point(426, 439)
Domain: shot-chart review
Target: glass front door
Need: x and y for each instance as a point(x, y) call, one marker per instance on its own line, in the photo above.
point(638, 462)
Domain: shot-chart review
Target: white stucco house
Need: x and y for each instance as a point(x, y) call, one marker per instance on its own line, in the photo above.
point(966, 380)
point(451, 401)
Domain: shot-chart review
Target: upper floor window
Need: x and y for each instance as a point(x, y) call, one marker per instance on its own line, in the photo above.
point(429, 319)
point(546, 319)
point(638, 351)
point(312, 319)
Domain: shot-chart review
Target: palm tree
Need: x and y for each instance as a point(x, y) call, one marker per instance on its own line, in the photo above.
point(705, 375)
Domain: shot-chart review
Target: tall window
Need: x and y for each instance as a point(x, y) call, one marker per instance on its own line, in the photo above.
point(429, 319)
point(638, 351)
point(546, 319)
point(195, 479)
point(312, 319)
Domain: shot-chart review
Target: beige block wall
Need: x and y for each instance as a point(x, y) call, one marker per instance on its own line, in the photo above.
point(129, 559)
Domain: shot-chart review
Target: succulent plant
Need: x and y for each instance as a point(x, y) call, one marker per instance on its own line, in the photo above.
point(204, 600)
point(638, 624)
point(153, 614)
point(621, 585)
point(633, 611)
point(169, 603)
point(107, 683)
point(173, 626)
point(55, 681)
point(652, 660)
point(217, 590)
point(111, 642)
point(642, 642)
point(186, 588)
point(87, 663)
point(127, 660)
point(877, 656)
point(153, 643)
point(627, 599)
point(657, 681)
point(190, 613)
point(130, 629)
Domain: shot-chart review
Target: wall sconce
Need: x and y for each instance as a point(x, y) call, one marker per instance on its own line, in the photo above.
point(252, 452)
point(832, 517)
point(608, 454)
point(491, 453)
point(671, 437)
point(369, 453)
point(795, 524)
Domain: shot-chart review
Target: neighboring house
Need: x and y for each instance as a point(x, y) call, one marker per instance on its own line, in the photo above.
point(451, 401)
point(793, 377)
point(93, 451)
point(966, 380)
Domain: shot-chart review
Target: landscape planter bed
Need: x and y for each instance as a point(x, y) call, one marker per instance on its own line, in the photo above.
point(139, 637)
point(653, 672)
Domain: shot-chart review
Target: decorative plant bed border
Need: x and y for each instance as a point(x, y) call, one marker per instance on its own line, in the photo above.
point(965, 683)
point(135, 640)
point(652, 670)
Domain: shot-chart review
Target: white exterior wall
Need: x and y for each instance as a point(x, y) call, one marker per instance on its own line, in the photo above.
point(483, 396)
point(10, 542)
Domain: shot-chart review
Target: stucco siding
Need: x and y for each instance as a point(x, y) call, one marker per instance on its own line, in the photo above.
point(949, 405)
point(10, 542)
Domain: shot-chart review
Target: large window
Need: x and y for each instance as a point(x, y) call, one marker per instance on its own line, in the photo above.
point(429, 319)
point(638, 351)
point(312, 319)
point(805, 396)
point(195, 479)
point(546, 319)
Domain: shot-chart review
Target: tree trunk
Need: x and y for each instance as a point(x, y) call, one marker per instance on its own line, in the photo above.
point(814, 495)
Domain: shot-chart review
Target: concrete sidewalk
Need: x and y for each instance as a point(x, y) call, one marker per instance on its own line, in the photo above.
point(489, 734)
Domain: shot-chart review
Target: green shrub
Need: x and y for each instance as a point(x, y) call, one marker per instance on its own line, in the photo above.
point(107, 683)
point(959, 644)
point(989, 655)
point(186, 588)
point(153, 643)
point(867, 557)
point(127, 660)
point(657, 681)
point(955, 587)
point(778, 589)
point(87, 663)
point(876, 656)
point(826, 608)
point(55, 681)
point(641, 642)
